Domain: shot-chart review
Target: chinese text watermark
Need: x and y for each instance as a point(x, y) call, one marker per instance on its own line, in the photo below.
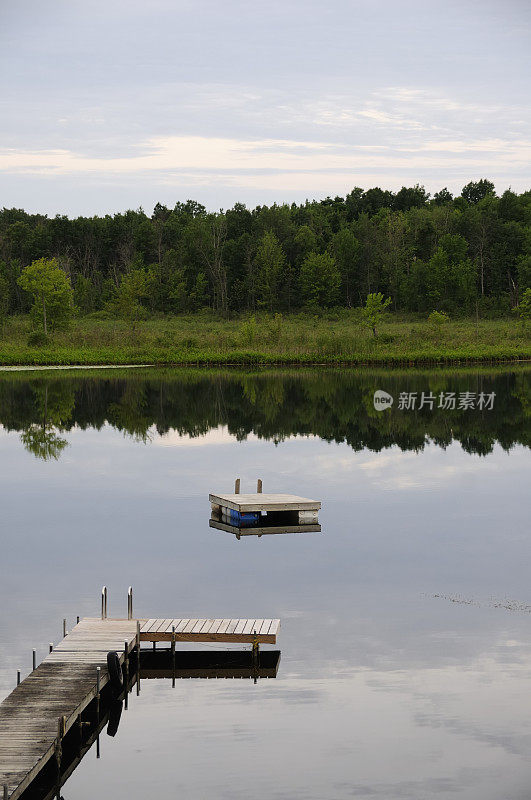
point(447, 401)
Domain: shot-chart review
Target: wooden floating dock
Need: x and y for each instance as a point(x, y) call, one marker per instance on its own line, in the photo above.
point(36, 716)
point(264, 502)
point(248, 509)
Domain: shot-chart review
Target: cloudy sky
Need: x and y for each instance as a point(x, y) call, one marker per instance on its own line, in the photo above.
point(123, 103)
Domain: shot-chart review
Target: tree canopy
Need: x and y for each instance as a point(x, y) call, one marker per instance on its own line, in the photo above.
point(424, 253)
point(51, 291)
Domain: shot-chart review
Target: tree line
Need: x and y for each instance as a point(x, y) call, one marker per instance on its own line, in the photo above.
point(452, 254)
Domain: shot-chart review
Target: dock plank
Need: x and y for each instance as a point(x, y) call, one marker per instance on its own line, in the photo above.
point(264, 502)
point(62, 686)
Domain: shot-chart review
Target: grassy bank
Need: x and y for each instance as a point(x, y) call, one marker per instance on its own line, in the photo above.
point(299, 339)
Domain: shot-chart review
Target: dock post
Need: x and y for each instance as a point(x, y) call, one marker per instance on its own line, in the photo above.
point(104, 603)
point(50, 647)
point(237, 486)
point(34, 659)
point(98, 673)
point(126, 673)
point(64, 628)
point(77, 620)
point(256, 655)
point(137, 657)
point(18, 677)
point(6, 791)
point(130, 603)
point(61, 730)
point(173, 656)
point(259, 486)
point(79, 735)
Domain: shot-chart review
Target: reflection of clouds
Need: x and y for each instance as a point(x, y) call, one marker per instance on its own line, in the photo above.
point(383, 692)
point(396, 469)
point(461, 732)
point(415, 790)
point(214, 436)
point(219, 435)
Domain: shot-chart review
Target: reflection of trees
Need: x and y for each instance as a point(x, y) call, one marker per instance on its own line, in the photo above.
point(333, 405)
point(54, 403)
point(43, 442)
point(128, 414)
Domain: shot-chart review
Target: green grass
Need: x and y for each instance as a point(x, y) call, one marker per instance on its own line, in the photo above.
point(333, 338)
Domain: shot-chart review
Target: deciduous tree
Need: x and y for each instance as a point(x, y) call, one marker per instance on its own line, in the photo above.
point(51, 291)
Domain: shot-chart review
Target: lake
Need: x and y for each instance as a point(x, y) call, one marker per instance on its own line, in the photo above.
point(406, 629)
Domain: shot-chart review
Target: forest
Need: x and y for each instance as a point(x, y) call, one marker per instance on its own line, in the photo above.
point(460, 255)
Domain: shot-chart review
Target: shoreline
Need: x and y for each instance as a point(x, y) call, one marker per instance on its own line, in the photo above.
point(33, 363)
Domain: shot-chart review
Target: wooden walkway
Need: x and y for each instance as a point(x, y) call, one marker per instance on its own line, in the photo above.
point(39, 712)
point(61, 687)
point(236, 631)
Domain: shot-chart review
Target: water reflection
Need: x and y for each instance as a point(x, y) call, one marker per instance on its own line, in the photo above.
point(52, 405)
point(107, 712)
point(261, 530)
point(334, 405)
point(394, 689)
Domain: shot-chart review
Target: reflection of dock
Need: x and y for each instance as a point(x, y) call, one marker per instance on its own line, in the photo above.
point(263, 530)
point(159, 664)
point(213, 664)
point(49, 708)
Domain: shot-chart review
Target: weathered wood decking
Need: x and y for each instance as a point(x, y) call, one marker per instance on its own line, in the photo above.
point(246, 503)
point(211, 630)
point(62, 687)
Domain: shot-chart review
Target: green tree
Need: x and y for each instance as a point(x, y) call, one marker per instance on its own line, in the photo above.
point(450, 275)
point(84, 294)
point(199, 294)
point(4, 301)
point(475, 191)
point(319, 280)
point(269, 264)
point(134, 286)
point(346, 250)
point(375, 305)
point(524, 306)
point(52, 293)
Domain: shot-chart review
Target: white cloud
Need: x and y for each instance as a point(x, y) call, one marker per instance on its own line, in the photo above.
point(248, 162)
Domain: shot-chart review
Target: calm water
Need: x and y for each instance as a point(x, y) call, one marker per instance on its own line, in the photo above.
point(406, 632)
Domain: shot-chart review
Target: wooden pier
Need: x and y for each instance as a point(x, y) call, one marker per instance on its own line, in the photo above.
point(235, 631)
point(40, 711)
point(38, 714)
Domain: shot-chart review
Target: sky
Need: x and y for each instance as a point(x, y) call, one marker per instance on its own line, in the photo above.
point(122, 104)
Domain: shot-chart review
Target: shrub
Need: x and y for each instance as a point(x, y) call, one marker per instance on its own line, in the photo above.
point(438, 317)
point(38, 339)
point(248, 330)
